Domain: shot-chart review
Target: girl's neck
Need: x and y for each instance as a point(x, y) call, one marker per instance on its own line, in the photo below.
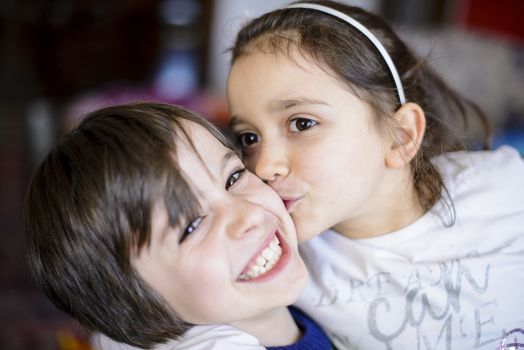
point(385, 213)
point(275, 327)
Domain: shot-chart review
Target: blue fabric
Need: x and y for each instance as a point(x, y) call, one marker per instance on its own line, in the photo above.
point(313, 337)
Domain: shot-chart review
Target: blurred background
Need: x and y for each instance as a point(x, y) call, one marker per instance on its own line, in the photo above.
point(62, 58)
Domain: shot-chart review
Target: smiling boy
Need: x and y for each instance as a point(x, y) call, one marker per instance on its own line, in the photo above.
point(144, 225)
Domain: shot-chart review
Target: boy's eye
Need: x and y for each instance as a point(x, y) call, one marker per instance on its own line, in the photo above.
point(193, 225)
point(234, 177)
point(247, 139)
point(301, 124)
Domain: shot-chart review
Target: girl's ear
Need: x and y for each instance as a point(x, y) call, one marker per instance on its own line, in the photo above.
point(409, 127)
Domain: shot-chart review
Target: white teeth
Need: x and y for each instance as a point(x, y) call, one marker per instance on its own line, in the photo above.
point(267, 254)
point(261, 261)
point(265, 261)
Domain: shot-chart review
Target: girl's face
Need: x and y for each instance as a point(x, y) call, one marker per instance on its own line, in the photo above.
point(312, 141)
point(235, 261)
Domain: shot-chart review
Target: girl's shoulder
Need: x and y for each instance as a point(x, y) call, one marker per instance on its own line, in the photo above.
point(501, 166)
point(487, 183)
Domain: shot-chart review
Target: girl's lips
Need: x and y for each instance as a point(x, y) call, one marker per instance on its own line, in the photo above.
point(290, 202)
point(277, 267)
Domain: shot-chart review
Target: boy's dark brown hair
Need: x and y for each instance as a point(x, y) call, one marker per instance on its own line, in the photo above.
point(88, 208)
point(350, 56)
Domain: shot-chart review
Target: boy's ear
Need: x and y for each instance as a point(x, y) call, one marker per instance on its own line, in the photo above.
point(409, 127)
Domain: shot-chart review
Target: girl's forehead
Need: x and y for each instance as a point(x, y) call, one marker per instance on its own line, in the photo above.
point(260, 77)
point(285, 45)
point(281, 64)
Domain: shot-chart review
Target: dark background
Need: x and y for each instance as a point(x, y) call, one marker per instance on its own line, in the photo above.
point(61, 58)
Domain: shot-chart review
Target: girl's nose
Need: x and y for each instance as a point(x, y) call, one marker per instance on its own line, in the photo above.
point(244, 217)
point(271, 163)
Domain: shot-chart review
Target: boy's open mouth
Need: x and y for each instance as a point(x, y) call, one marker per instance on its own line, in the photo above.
point(264, 262)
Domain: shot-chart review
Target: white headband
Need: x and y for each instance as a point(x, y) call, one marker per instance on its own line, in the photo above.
point(353, 22)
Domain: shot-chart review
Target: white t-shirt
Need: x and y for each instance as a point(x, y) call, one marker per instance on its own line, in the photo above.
point(213, 337)
point(428, 286)
point(422, 287)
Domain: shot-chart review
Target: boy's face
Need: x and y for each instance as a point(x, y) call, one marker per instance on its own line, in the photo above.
point(216, 269)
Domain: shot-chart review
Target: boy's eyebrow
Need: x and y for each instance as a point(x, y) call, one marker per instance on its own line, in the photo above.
point(227, 157)
point(281, 105)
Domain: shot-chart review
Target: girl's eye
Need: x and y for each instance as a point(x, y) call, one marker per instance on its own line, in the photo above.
point(193, 225)
point(301, 124)
point(234, 177)
point(247, 139)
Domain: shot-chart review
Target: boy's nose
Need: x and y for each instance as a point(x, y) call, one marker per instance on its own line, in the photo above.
point(246, 216)
point(272, 163)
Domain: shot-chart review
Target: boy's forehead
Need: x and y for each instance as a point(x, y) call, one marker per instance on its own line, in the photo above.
point(196, 138)
point(199, 153)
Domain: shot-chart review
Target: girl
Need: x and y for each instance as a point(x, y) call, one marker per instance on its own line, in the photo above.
point(143, 222)
point(422, 242)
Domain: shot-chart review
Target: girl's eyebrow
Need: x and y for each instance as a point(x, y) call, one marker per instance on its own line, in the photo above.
point(286, 104)
point(280, 106)
point(234, 120)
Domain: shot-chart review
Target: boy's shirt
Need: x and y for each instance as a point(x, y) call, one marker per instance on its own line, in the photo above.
point(222, 337)
point(212, 337)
